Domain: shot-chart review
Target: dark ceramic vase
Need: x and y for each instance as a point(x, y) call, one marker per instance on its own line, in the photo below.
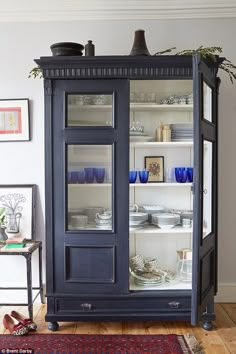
point(139, 45)
point(89, 49)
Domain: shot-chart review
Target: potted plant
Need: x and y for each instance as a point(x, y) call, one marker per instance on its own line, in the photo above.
point(3, 236)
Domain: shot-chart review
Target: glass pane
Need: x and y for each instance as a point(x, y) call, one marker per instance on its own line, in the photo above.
point(207, 102)
point(90, 110)
point(207, 188)
point(89, 181)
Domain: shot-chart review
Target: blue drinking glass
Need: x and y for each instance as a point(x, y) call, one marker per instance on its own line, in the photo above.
point(99, 174)
point(81, 176)
point(73, 177)
point(132, 176)
point(181, 174)
point(190, 174)
point(89, 174)
point(143, 176)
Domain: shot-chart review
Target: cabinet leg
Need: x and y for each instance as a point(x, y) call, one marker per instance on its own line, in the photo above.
point(208, 316)
point(207, 325)
point(53, 326)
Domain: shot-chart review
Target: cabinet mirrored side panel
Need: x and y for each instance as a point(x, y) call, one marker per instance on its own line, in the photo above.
point(89, 187)
point(160, 179)
point(89, 110)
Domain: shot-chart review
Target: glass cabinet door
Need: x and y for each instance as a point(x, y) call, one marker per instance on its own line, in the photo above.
point(89, 181)
point(90, 110)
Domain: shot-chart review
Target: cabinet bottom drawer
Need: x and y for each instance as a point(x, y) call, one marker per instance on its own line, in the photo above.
point(127, 305)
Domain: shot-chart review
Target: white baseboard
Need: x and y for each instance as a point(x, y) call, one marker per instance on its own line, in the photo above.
point(226, 293)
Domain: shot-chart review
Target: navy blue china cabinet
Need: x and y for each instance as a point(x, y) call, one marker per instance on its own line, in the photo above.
point(131, 182)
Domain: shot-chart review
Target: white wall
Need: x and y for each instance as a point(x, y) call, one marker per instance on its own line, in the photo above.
point(23, 162)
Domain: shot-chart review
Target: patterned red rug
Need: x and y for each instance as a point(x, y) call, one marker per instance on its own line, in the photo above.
point(99, 344)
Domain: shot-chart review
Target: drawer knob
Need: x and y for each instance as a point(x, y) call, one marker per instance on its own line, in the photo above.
point(174, 304)
point(86, 307)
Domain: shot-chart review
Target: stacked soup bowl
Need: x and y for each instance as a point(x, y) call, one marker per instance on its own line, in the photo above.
point(137, 219)
point(165, 220)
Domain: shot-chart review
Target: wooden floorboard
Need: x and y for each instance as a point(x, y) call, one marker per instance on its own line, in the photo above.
point(221, 340)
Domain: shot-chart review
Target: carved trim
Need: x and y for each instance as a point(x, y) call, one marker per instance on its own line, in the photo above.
point(48, 87)
point(118, 72)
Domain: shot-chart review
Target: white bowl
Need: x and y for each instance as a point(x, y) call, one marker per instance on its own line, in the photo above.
point(138, 217)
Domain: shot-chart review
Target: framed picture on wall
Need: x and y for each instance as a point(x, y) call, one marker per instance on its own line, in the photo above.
point(155, 166)
point(14, 119)
point(17, 210)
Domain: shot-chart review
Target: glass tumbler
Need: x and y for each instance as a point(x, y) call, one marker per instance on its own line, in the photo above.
point(190, 174)
point(181, 174)
point(73, 177)
point(99, 174)
point(81, 176)
point(89, 174)
point(132, 176)
point(143, 176)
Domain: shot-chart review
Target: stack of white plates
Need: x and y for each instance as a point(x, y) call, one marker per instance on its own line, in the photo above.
point(148, 278)
point(136, 219)
point(140, 138)
point(165, 220)
point(181, 132)
point(151, 209)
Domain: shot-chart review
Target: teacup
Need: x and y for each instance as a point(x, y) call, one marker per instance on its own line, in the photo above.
point(104, 216)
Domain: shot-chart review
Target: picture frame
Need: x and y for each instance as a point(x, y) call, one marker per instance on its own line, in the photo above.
point(155, 166)
point(14, 119)
point(17, 210)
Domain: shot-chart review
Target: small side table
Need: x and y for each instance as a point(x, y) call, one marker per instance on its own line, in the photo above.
point(26, 252)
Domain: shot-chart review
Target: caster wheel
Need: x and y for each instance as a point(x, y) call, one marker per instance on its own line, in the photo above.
point(207, 325)
point(53, 326)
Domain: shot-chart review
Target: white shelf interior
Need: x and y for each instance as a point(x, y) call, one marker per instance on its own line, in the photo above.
point(151, 241)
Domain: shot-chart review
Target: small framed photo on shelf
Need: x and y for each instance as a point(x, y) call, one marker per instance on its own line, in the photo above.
point(17, 210)
point(155, 166)
point(14, 119)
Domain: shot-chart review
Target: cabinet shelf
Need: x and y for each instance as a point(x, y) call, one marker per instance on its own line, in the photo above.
point(88, 185)
point(161, 184)
point(161, 107)
point(175, 285)
point(155, 144)
point(156, 230)
point(134, 185)
point(135, 107)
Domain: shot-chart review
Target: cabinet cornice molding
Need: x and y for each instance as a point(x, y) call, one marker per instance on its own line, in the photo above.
point(73, 10)
point(107, 72)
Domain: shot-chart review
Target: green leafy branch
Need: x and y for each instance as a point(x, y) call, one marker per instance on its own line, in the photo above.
point(35, 72)
point(211, 54)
